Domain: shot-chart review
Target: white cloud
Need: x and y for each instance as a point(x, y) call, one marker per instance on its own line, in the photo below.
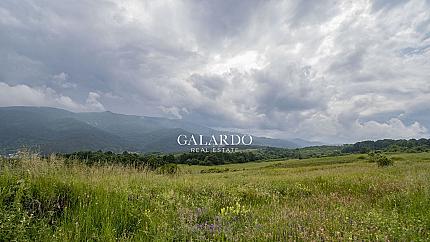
point(93, 103)
point(23, 95)
point(393, 128)
point(61, 79)
point(174, 112)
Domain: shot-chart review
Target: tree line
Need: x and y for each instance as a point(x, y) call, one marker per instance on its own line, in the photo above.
point(389, 145)
point(153, 161)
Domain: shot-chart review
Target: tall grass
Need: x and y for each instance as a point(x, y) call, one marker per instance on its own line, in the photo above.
point(339, 198)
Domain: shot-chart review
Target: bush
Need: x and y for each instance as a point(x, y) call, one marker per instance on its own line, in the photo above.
point(380, 159)
point(168, 169)
point(384, 161)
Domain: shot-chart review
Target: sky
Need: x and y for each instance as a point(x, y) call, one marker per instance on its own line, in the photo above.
point(321, 70)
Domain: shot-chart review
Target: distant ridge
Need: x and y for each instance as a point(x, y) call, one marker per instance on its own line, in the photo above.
point(56, 130)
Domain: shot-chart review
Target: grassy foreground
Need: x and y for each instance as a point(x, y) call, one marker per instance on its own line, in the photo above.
point(338, 198)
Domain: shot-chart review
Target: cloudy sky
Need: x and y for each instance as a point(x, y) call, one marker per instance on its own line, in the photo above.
point(331, 71)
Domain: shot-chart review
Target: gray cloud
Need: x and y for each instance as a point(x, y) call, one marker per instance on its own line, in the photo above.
point(334, 71)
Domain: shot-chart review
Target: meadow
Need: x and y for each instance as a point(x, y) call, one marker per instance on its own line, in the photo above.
point(331, 198)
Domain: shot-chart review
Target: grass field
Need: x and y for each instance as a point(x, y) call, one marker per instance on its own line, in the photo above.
point(337, 198)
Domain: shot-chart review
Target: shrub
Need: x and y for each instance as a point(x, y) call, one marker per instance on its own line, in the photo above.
point(384, 161)
point(380, 159)
point(168, 169)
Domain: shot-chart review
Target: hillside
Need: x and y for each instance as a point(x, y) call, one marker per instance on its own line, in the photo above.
point(56, 130)
point(319, 199)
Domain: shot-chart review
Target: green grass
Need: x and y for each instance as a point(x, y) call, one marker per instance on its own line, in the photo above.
point(331, 198)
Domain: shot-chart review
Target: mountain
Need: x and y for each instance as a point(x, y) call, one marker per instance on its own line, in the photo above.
point(305, 143)
point(57, 130)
